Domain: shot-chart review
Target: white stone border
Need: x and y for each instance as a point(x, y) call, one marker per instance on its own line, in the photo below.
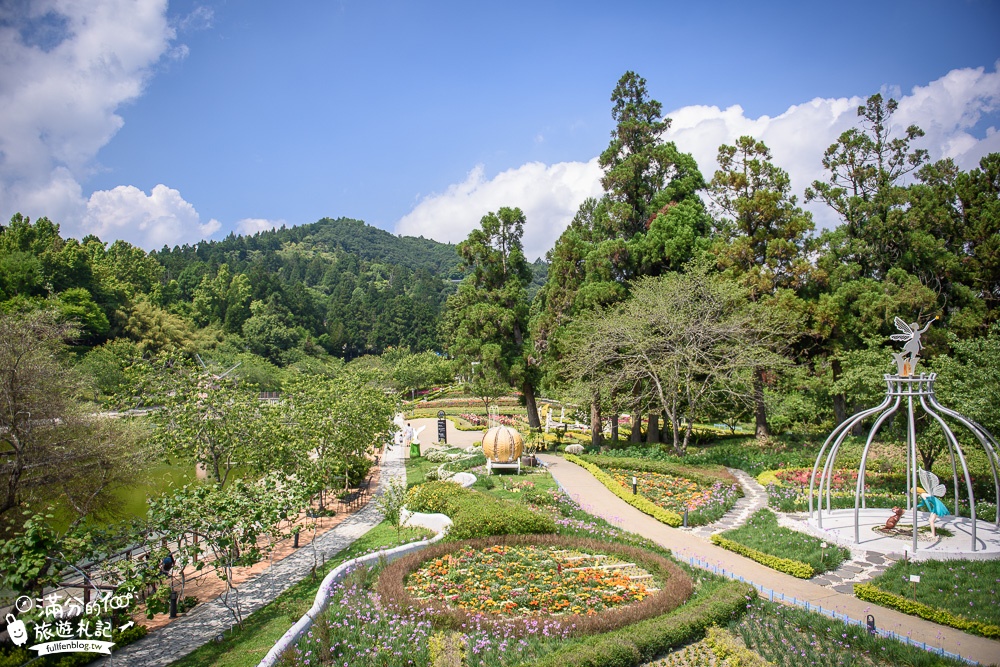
point(436, 522)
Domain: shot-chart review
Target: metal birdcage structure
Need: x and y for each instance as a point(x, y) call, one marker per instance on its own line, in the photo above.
point(906, 393)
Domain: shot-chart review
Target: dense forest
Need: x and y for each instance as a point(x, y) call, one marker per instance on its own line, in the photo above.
point(335, 287)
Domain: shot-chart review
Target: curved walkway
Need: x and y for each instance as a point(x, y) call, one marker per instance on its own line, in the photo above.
point(209, 620)
point(582, 486)
point(754, 498)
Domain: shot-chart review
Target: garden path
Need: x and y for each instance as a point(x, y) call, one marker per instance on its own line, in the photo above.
point(428, 436)
point(754, 498)
point(861, 566)
point(209, 620)
point(582, 486)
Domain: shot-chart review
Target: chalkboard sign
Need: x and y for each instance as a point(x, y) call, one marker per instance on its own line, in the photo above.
point(442, 430)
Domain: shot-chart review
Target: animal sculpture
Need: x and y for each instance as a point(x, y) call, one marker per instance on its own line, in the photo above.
point(897, 514)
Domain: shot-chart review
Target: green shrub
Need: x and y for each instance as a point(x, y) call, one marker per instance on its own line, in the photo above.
point(434, 497)
point(483, 516)
point(641, 642)
point(786, 565)
point(436, 456)
point(640, 503)
point(474, 514)
point(871, 593)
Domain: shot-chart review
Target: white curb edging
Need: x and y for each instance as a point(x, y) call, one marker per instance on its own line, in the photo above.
point(436, 522)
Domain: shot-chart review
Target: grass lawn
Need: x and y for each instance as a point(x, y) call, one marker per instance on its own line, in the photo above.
point(966, 588)
point(416, 470)
point(264, 627)
point(763, 533)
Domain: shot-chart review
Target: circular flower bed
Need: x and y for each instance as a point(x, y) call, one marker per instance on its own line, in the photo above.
point(581, 586)
point(704, 503)
point(530, 580)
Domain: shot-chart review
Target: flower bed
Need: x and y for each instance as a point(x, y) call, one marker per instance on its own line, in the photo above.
point(515, 580)
point(794, 637)
point(529, 580)
point(705, 504)
point(515, 421)
point(788, 488)
point(639, 502)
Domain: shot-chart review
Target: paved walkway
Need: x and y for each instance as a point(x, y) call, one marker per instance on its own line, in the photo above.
point(754, 498)
point(582, 486)
point(209, 620)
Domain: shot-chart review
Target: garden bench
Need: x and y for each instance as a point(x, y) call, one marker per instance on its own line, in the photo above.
point(365, 487)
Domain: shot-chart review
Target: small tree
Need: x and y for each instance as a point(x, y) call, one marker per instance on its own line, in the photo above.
point(391, 501)
point(488, 387)
point(217, 422)
point(230, 524)
point(336, 423)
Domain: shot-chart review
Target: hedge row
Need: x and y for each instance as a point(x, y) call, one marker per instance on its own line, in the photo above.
point(474, 514)
point(641, 642)
point(707, 475)
point(871, 593)
point(639, 502)
point(796, 568)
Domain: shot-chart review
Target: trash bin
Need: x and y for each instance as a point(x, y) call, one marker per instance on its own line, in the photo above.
point(414, 450)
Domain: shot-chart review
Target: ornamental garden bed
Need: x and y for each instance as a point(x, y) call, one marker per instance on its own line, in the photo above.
point(959, 593)
point(705, 504)
point(788, 491)
point(793, 637)
point(578, 586)
point(780, 548)
point(788, 488)
point(706, 493)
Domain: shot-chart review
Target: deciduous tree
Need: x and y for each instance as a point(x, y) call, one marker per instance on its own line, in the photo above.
point(690, 335)
point(51, 447)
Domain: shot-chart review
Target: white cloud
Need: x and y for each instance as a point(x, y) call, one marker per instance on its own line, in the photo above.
point(161, 218)
point(947, 109)
point(251, 226)
point(66, 68)
point(548, 195)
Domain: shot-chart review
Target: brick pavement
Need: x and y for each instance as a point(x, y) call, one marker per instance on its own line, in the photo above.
point(207, 621)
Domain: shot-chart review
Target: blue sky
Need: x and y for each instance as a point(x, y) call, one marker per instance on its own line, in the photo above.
point(166, 124)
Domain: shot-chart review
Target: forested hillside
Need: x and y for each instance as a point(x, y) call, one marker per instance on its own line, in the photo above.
point(335, 287)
